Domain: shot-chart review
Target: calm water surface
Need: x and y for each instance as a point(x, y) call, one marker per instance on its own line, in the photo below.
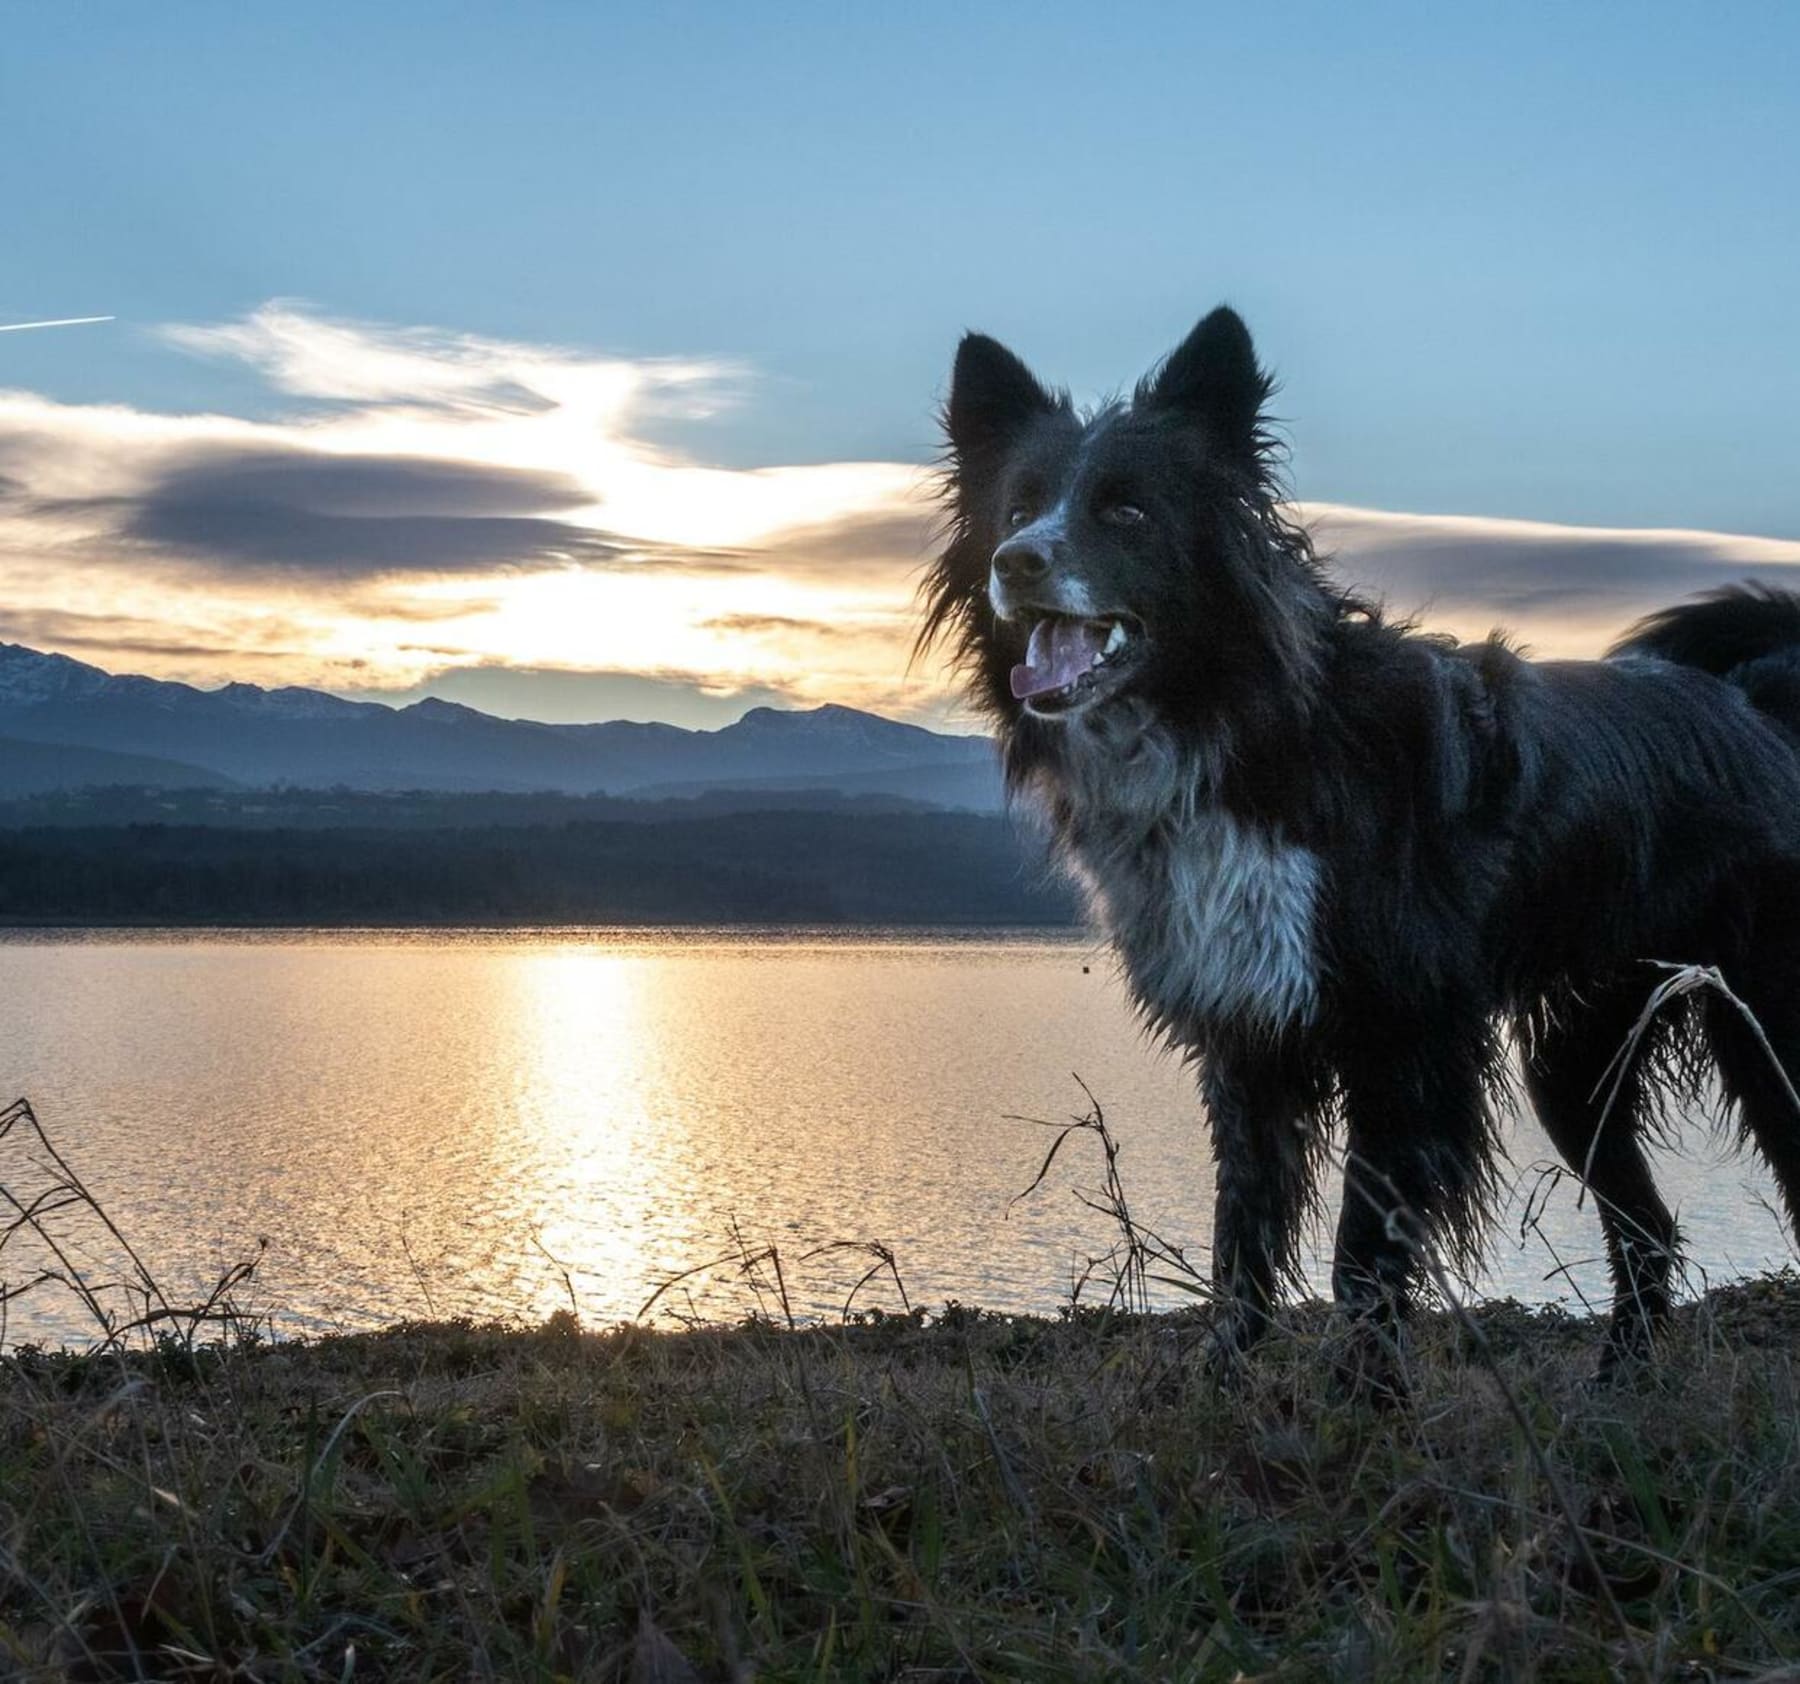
point(419, 1123)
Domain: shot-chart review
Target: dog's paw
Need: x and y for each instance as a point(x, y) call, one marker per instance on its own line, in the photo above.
point(1227, 1359)
point(1370, 1367)
point(1626, 1359)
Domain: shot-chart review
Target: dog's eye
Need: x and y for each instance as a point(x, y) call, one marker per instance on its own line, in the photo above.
point(1017, 515)
point(1122, 514)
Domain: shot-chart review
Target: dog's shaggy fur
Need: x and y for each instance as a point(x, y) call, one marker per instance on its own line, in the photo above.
point(1338, 859)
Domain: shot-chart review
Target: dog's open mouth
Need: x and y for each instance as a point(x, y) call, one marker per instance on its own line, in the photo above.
point(1069, 662)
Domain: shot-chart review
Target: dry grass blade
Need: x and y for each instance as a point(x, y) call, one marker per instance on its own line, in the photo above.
point(31, 1217)
point(1129, 1261)
point(1682, 981)
point(885, 1262)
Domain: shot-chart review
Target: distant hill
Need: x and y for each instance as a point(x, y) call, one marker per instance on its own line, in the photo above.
point(263, 738)
point(28, 768)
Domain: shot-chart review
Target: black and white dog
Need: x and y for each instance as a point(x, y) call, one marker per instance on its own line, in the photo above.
point(1339, 859)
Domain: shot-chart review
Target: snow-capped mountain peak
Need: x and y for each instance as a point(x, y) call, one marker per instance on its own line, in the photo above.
point(28, 676)
point(290, 701)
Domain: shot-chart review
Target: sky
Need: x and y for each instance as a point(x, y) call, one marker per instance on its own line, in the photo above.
point(582, 362)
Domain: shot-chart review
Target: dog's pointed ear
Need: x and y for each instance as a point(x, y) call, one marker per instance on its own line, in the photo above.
point(992, 396)
point(1213, 376)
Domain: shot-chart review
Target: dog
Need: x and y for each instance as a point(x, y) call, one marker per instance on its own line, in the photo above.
point(1342, 862)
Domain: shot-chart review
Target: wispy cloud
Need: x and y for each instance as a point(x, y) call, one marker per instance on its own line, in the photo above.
point(306, 354)
point(1566, 589)
point(860, 544)
point(774, 625)
point(70, 631)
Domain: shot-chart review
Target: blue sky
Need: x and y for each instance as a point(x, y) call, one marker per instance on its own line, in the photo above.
point(1532, 262)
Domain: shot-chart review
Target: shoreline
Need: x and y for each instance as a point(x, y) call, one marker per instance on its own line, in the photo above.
point(774, 929)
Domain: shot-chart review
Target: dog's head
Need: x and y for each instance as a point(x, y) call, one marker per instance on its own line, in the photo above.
point(1123, 553)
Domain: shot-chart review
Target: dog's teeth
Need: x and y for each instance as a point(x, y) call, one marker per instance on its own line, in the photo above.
point(1098, 658)
point(1115, 639)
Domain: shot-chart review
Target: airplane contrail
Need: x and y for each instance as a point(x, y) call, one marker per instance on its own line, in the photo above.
point(66, 321)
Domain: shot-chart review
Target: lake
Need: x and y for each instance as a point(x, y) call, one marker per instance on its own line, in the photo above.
point(482, 1122)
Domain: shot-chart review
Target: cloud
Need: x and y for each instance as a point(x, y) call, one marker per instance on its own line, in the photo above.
point(1568, 589)
point(405, 608)
point(260, 505)
point(767, 625)
point(270, 535)
point(340, 515)
point(368, 486)
point(304, 353)
point(886, 543)
point(109, 634)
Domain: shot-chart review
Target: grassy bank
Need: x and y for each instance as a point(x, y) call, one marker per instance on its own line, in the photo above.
point(964, 1497)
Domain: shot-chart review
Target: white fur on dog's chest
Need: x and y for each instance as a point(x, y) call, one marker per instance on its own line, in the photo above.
point(1213, 918)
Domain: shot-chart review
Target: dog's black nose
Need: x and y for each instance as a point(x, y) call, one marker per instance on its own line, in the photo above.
point(1020, 560)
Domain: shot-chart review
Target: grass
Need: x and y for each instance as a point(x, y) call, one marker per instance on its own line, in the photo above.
point(965, 1496)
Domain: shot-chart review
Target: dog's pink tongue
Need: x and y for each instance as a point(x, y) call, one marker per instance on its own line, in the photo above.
point(1060, 651)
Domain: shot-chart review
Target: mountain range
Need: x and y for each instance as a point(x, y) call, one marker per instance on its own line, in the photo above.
point(65, 724)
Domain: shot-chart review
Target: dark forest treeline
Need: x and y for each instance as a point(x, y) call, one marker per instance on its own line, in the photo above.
point(115, 805)
point(769, 867)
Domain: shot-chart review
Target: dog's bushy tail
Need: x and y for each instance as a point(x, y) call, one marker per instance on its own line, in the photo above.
point(1721, 631)
point(1747, 634)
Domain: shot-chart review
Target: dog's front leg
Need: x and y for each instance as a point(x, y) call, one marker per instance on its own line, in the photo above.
point(1262, 1104)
